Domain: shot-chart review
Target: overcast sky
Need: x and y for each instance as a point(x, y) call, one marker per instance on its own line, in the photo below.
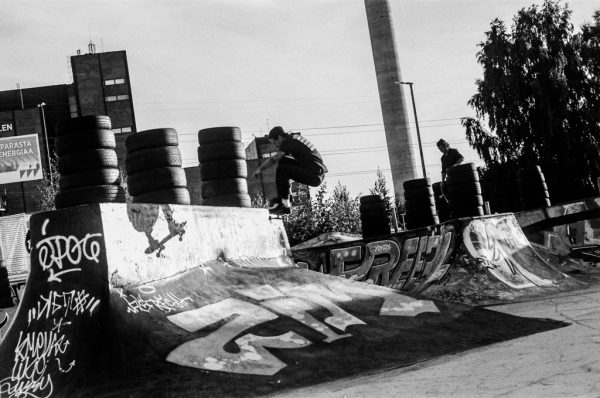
point(306, 65)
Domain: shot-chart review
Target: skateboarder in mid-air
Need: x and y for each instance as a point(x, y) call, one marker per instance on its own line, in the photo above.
point(298, 160)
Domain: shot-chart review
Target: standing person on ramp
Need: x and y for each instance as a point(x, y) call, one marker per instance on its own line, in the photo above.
point(298, 160)
point(451, 157)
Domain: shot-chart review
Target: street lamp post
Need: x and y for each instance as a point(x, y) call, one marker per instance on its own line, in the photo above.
point(412, 96)
point(41, 107)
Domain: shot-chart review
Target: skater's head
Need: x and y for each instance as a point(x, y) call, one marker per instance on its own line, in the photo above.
point(443, 145)
point(277, 135)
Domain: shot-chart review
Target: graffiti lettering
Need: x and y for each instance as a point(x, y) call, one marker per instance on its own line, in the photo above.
point(379, 265)
point(32, 355)
point(286, 300)
point(208, 353)
point(495, 243)
point(53, 250)
point(74, 302)
point(166, 303)
point(340, 257)
point(406, 266)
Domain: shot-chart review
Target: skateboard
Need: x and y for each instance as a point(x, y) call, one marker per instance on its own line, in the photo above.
point(174, 230)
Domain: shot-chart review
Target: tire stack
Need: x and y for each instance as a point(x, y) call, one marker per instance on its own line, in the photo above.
point(463, 191)
point(419, 203)
point(441, 203)
point(373, 217)
point(153, 165)
point(533, 191)
point(6, 299)
point(87, 162)
point(223, 169)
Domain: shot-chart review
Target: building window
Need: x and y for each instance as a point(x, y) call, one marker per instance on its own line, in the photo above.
point(113, 98)
point(112, 82)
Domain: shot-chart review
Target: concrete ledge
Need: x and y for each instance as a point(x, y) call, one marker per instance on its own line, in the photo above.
point(563, 213)
point(165, 239)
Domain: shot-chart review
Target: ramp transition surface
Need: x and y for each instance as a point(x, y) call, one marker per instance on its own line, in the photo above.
point(479, 261)
point(105, 314)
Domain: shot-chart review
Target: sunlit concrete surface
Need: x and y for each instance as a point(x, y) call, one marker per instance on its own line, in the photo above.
point(563, 362)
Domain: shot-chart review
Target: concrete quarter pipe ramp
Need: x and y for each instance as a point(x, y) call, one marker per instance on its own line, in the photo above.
point(158, 301)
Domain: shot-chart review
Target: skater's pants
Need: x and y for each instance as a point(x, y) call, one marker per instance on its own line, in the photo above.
point(289, 169)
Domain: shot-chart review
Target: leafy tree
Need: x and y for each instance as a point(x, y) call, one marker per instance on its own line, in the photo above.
point(540, 93)
point(338, 212)
point(380, 188)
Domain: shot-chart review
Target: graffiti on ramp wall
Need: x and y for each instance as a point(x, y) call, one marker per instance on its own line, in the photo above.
point(404, 261)
point(497, 243)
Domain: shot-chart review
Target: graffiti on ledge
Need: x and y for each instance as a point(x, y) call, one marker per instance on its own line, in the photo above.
point(399, 264)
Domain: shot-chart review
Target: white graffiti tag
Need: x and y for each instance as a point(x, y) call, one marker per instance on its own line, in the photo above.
point(29, 376)
point(75, 302)
point(38, 354)
point(166, 303)
point(60, 251)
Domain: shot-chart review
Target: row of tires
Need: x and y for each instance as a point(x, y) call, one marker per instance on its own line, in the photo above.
point(373, 216)
point(154, 168)
point(419, 203)
point(463, 191)
point(87, 162)
point(223, 170)
point(459, 196)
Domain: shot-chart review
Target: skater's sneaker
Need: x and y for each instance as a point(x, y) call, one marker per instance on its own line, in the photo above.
point(277, 207)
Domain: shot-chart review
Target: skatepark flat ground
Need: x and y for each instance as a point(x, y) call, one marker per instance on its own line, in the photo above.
point(563, 362)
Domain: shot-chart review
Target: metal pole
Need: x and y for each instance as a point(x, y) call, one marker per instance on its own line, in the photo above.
point(412, 96)
point(41, 106)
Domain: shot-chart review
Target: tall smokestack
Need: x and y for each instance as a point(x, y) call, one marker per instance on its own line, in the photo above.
point(391, 94)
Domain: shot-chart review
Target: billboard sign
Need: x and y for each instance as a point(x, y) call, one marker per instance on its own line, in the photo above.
point(20, 159)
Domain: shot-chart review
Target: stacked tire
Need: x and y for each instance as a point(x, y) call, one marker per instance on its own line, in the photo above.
point(533, 191)
point(419, 203)
point(223, 169)
point(463, 191)
point(6, 299)
point(154, 168)
point(441, 203)
point(87, 162)
point(373, 217)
